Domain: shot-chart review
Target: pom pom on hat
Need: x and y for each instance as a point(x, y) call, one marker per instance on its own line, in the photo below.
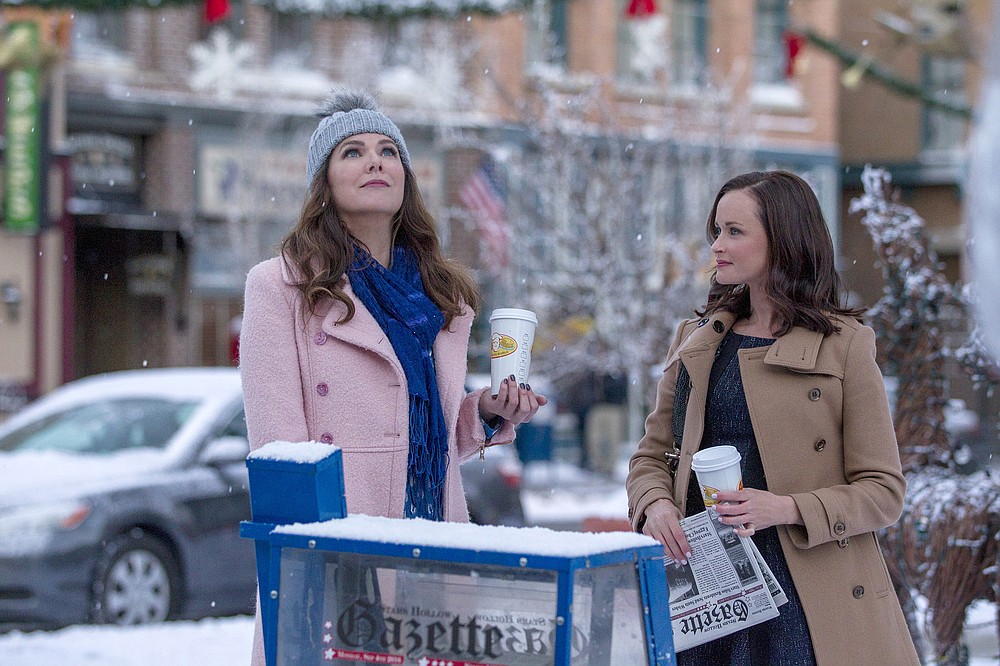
point(345, 113)
point(342, 100)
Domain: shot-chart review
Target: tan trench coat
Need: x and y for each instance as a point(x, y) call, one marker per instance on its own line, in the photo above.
point(822, 423)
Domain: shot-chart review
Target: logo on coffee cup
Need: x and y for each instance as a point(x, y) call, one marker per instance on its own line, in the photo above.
point(503, 345)
point(708, 491)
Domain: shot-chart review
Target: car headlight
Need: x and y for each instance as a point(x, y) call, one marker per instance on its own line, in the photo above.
point(28, 530)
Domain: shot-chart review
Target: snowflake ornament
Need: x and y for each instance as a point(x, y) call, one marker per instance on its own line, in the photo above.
point(649, 55)
point(218, 63)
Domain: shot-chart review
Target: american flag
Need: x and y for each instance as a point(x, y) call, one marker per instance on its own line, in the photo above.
point(484, 196)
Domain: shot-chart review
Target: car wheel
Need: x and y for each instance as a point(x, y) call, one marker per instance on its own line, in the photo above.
point(136, 581)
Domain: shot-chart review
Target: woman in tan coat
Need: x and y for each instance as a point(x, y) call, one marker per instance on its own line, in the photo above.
point(778, 368)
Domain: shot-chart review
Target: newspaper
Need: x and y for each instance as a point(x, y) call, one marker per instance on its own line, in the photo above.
point(777, 593)
point(725, 586)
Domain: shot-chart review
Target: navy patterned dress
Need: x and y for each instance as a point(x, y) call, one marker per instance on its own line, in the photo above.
point(784, 640)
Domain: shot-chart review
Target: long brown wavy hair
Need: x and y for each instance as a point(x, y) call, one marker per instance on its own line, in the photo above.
point(321, 249)
point(802, 282)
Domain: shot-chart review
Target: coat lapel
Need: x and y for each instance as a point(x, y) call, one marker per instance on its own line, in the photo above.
point(451, 348)
point(361, 331)
point(796, 350)
point(697, 352)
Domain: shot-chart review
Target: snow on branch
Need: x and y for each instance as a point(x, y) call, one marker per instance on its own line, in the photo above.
point(608, 222)
point(917, 308)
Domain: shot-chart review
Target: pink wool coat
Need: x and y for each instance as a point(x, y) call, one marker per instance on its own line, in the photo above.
point(319, 380)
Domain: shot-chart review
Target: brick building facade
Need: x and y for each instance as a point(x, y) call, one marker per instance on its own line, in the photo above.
point(207, 126)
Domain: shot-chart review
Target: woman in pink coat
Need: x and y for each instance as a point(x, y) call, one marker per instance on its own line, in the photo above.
point(357, 334)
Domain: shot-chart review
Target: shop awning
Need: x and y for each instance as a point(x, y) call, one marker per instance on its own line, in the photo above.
point(98, 213)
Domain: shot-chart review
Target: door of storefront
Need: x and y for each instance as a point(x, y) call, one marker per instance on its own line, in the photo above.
point(127, 298)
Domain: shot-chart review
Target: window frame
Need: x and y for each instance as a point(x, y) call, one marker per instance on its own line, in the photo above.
point(689, 43)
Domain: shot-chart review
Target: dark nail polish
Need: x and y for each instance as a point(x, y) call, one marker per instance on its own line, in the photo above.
point(513, 378)
point(495, 395)
point(505, 380)
point(527, 386)
point(521, 384)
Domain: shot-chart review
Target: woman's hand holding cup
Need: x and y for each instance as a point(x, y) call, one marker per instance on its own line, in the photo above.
point(513, 402)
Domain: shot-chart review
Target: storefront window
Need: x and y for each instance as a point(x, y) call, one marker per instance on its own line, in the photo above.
point(291, 40)
point(96, 34)
point(770, 24)
point(547, 34)
point(689, 42)
point(944, 78)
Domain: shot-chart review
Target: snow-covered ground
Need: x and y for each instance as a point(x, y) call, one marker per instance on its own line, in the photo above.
point(226, 642)
point(210, 642)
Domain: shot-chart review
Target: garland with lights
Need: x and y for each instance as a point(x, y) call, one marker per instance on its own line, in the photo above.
point(867, 67)
point(371, 9)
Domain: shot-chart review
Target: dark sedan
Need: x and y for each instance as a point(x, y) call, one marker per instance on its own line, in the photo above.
point(121, 497)
point(120, 501)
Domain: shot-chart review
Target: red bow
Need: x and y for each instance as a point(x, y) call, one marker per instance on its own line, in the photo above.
point(637, 8)
point(793, 45)
point(216, 10)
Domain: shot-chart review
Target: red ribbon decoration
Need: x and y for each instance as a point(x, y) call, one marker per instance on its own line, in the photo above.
point(793, 46)
point(216, 10)
point(640, 8)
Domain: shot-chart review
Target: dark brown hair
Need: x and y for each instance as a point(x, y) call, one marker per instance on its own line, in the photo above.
point(320, 248)
point(802, 281)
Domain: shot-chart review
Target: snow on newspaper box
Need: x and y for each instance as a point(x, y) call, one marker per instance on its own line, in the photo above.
point(354, 590)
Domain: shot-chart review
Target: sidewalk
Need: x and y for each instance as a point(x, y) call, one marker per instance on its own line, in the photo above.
point(561, 496)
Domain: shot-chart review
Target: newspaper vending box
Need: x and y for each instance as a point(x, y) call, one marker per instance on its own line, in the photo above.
point(356, 590)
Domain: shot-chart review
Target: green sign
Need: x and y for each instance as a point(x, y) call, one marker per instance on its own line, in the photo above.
point(22, 164)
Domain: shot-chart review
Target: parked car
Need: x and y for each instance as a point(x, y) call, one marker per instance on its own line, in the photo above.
point(493, 487)
point(493, 484)
point(121, 497)
point(120, 501)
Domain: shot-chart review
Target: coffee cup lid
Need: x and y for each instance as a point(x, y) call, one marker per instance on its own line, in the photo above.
point(714, 458)
point(514, 313)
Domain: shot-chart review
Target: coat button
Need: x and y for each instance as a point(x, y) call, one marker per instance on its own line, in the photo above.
point(820, 445)
point(839, 528)
point(320, 338)
point(814, 394)
point(718, 326)
point(322, 388)
point(326, 438)
point(843, 543)
point(858, 591)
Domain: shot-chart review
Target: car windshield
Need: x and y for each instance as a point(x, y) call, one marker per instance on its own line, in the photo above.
point(104, 426)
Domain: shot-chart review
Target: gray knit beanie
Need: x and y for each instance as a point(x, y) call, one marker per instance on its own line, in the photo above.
point(346, 113)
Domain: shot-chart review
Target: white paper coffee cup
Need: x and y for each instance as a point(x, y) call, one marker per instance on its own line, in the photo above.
point(512, 332)
point(717, 468)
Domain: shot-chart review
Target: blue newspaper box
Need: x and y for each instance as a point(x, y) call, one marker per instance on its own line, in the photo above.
point(299, 482)
point(368, 590)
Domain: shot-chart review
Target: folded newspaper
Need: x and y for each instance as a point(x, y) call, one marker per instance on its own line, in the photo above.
point(725, 586)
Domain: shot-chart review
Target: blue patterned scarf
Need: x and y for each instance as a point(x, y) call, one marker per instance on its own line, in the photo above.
point(396, 299)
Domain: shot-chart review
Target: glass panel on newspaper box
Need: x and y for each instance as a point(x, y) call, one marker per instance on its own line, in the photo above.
point(348, 609)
